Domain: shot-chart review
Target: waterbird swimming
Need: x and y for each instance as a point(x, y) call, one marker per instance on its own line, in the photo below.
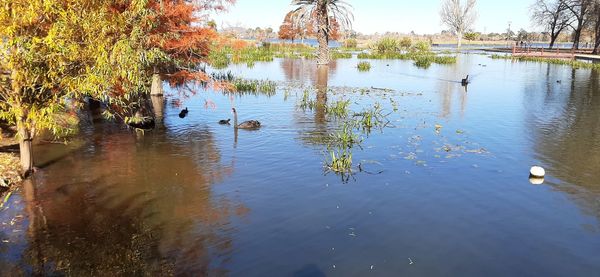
point(183, 113)
point(224, 121)
point(465, 81)
point(250, 124)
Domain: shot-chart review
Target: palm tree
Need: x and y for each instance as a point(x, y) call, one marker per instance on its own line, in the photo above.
point(324, 12)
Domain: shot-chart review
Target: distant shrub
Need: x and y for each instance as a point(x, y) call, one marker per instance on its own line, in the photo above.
point(405, 43)
point(350, 43)
point(385, 45)
point(471, 36)
point(422, 46)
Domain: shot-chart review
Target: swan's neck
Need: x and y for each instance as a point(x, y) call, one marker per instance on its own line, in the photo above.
point(235, 122)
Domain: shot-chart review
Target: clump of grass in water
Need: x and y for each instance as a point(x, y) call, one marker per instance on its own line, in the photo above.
point(340, 160)
point(371, 118)
point(250, 55)
point(223, 76)
point(364, 66)
point(218, 59)
point(255, 86)
point(341, 55)
point(345, 137)
point(339, 108)
point(573, 63)
point(306, 102)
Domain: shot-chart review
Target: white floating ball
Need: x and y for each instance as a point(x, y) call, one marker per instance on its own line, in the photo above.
point(537, 171)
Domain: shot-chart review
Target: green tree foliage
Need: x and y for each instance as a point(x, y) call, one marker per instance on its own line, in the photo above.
point(326, 14)
point(471, 36)
point(53, 52)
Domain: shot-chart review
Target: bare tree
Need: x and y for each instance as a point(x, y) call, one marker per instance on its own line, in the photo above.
point(579, 10)
point(458, 16)
point(594, 18)
point(553, 15)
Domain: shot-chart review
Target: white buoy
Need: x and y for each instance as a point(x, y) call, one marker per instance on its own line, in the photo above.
point(537, 171)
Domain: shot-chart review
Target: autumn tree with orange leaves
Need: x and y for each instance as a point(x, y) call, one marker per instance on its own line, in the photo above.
point(54, 51)
point(289, 29)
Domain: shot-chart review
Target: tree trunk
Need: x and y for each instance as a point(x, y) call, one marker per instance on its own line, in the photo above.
point(156, 88)
point(552, 40)
point(158, 103)
point(323, 33)
point(596, 18)
point(25, 138)
point(459, 37)
point(577, 37)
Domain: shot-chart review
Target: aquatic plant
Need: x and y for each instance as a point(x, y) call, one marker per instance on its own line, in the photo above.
point(364, 66)
point(340, 55)
point(422, 62)
point(369, 118)
point(572, 63)
point(250, 55)
point(340, 160)
point(218, 59)
point(223, 76)
point(305, 102)
point(339, 108)
point(351, 43)
point(344, 137)
point(420, 58)
point(255, 86)
point(405, 43)
point(422, 46)
point(385, 45)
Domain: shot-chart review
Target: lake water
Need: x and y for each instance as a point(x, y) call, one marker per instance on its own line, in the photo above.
point(197, 198)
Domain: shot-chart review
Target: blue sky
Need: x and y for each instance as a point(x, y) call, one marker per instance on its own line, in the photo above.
point(373, 16)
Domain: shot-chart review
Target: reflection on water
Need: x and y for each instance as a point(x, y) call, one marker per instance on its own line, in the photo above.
point(568, 132)
point(305, 70)
point(112, 211)
point(452, 198)
point(321, 86)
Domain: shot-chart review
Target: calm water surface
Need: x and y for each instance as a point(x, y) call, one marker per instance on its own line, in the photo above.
point(195, 198)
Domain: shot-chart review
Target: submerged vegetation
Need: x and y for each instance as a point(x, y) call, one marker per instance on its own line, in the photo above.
point(569, 62)
point(353, 126)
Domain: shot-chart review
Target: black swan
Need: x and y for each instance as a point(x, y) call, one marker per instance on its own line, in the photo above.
point(183, 113)
point(250, 124)
point(465, 81)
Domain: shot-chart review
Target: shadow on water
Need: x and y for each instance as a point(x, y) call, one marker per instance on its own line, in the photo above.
point(114, 214)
